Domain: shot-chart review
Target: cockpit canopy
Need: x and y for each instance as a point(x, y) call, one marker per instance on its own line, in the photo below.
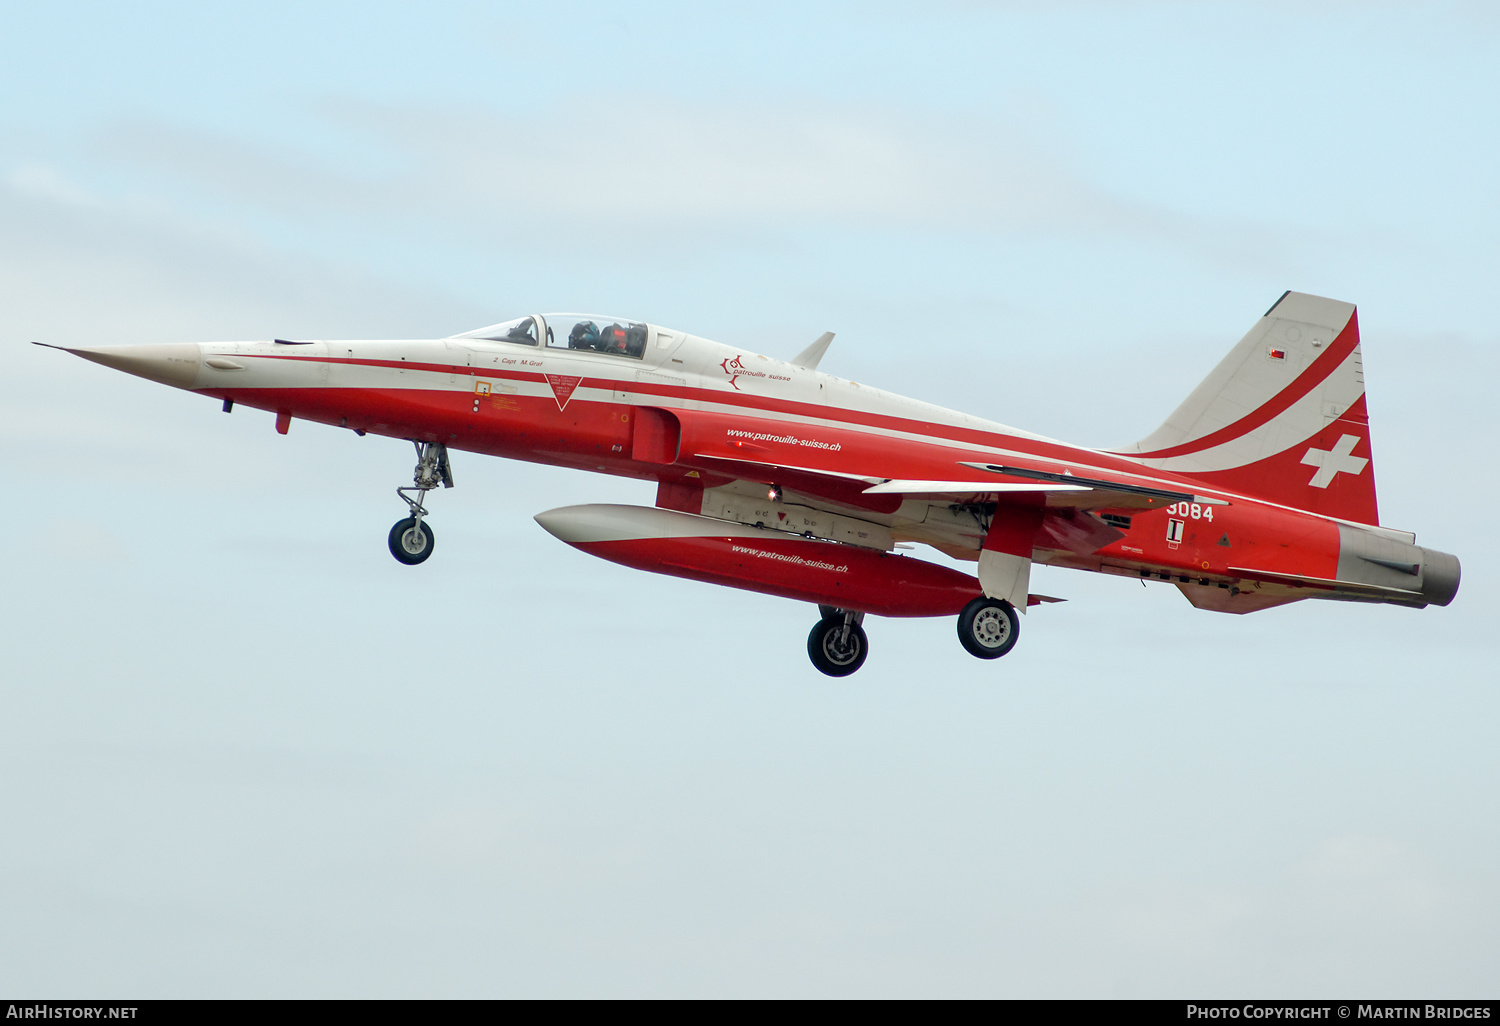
point(592, 332)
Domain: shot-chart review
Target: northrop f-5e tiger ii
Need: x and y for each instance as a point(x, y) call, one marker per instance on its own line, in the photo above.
point(773, 476)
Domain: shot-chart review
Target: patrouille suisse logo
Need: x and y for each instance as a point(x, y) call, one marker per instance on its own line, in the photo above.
point(734, 368)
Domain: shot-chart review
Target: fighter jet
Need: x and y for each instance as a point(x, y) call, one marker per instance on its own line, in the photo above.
point(772, 476)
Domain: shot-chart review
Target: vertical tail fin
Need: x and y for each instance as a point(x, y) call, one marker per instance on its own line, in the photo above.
point(1282, 417)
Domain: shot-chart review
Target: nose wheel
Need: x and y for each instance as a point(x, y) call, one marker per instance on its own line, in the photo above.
point(411, 539)
point(837, 644)
point(988, 627)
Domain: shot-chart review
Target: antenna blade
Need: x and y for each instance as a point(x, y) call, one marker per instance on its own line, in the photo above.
point(810, 356)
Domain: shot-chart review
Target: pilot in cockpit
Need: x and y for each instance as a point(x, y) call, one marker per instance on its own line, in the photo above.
point(611, 340)
point(625, 341)
point(585, 335)
point(635, 340)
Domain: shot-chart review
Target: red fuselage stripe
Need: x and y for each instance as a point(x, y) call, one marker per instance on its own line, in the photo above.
point(943, 432)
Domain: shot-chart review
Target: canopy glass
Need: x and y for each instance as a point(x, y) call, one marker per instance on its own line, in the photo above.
point(594, 333)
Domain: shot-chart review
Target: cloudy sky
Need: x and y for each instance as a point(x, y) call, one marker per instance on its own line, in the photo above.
point(247, 754)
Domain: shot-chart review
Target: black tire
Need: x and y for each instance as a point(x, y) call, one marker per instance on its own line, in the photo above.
point(834, 655)
point(409, 546)
point(988, 627)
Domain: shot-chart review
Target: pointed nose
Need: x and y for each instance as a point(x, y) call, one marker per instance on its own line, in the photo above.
point(171, 363)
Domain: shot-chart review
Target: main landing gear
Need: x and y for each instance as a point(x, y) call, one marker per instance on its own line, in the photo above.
point(987, 627)
point(837, 644)
point(411, 539)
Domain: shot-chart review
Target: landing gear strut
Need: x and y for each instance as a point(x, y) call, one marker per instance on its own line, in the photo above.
point(837, 644)
point(988, 627)
point(410, 539)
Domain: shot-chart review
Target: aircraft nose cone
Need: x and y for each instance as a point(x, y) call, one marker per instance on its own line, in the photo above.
point(171, 363)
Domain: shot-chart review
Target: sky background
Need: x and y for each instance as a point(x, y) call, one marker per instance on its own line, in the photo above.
point(243, 752)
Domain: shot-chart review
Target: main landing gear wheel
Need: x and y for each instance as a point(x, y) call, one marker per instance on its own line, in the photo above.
point(988, 627)
point(837, 644)
point(410, 541)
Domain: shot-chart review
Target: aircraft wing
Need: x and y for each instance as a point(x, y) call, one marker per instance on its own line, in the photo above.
point(1091, 492)
point(839, 486)
point(944, 488)
point(874, 471)
point(1062, 490)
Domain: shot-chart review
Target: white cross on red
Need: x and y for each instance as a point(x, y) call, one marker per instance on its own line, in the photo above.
point(1334, 461)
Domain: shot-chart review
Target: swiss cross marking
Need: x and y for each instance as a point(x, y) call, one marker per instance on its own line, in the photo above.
point(1334, 461)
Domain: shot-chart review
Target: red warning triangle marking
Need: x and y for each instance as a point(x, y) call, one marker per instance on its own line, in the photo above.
point(562, 387)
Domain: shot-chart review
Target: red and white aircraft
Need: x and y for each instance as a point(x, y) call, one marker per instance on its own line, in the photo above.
point(775, 477)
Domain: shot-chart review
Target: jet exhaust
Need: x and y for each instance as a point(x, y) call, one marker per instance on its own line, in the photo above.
point(1407, 575)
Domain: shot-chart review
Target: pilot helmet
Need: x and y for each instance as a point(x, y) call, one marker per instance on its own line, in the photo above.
point(583, 335)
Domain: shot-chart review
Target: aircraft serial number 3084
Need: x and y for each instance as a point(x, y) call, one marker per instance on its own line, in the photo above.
point(772, 476)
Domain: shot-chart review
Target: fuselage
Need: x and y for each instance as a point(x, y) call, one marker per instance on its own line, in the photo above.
point(748, 438)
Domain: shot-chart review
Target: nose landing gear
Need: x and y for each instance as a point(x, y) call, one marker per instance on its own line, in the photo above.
point(837, 644)
point(410, 539)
